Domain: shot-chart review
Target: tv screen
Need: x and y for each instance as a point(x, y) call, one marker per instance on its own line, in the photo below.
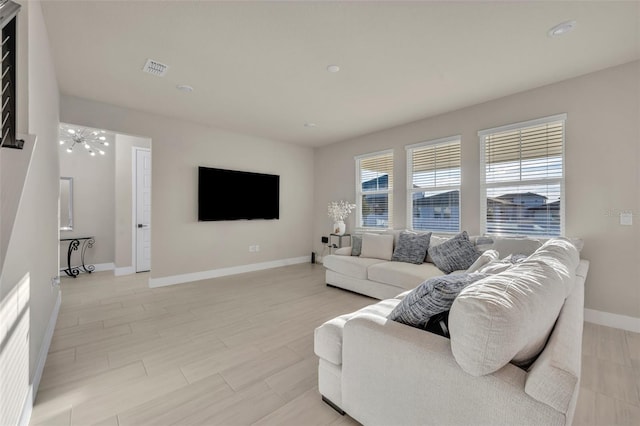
point(235, 195)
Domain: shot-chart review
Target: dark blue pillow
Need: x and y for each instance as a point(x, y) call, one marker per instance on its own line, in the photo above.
point(411, 247)
point(432, 297)
point(455, 254)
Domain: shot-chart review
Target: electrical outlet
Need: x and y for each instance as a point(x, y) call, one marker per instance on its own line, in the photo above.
point(257, 247)
point(252, 249)
point(325, 240)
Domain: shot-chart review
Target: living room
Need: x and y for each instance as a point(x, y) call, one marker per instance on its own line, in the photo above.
point(591, 76)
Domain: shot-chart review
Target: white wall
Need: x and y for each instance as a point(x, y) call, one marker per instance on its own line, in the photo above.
point(180, 244)
point(93, 203)
point(33, 246)
point(602, 162)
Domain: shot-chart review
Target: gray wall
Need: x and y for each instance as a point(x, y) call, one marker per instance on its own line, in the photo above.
point(602, 173)
point(93, 202)
point(180, 244)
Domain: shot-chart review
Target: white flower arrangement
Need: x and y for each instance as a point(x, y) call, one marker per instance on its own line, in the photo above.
point(340, 210)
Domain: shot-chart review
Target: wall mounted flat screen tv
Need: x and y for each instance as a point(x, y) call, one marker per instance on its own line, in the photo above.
point(236, 195)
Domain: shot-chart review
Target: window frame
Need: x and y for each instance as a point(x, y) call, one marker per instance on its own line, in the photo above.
point(482, 134)
point(360, 193)
point(410, 190)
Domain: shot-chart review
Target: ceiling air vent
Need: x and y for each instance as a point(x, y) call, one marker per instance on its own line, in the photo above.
point(155, 68)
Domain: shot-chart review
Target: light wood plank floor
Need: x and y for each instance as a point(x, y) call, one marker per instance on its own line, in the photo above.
point(239, 350)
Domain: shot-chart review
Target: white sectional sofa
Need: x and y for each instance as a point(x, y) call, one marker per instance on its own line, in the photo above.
point(383, 372)
point(383, 279)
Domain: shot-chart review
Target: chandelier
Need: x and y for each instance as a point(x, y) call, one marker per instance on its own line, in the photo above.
point(89, 140)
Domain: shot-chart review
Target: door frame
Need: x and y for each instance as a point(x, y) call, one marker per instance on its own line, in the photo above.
point(134, 204)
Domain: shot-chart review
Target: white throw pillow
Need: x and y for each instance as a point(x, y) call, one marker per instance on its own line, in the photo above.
point(508, 317)
point(485, 258)
point(377, 246)
point(515, 245)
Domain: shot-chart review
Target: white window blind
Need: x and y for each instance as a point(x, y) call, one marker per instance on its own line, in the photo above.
point(374, 190)
point(522, 178)
point(433, 185)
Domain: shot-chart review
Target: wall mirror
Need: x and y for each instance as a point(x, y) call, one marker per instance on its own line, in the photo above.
point(66, 203)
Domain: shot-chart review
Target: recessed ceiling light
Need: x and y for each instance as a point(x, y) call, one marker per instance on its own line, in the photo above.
point(310, 124)
point(562, 29)
point(333, 68)
point(184, 88)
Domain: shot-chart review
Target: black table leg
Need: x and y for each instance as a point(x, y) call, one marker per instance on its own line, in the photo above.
point(87, 244)
point(72, 272)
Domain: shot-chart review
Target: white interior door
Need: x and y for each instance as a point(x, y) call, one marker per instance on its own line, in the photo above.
point(143, 210)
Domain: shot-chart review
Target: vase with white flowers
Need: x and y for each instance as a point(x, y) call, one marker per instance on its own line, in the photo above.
point(339, 211)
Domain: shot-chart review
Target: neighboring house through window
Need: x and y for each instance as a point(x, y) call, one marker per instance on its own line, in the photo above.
point(522, 178)
point(433, 185)
point(374, 190)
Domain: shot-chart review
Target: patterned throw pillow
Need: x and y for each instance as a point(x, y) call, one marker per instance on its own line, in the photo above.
point(412, 247)
point(456, 254)
point(430, 298)
point(356, 245)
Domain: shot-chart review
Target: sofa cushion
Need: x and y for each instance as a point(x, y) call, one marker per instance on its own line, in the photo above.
point(515, 245)
point(485, 258)
point(350, 266)
point(328, 337)
point(400, 274)
point(377, 246)
point(455, 254)
point(509, 316)
point(430, 298)
point(411, 247)
point(500, 265)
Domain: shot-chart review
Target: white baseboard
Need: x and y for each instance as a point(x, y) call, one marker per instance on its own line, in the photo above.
point(215, 273)
point(125, 270)
point(623, 322)
point(104, 267)
point(42, 359)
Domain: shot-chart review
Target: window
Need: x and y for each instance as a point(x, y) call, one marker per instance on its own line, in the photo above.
point(374, 190)
point(433, 185)
point(522, 178)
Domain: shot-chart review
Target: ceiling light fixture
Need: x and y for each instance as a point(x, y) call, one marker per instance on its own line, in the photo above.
point(333, 68)
point(310, 124)
point(562, 29)
point(92, 140)
point(184, 88)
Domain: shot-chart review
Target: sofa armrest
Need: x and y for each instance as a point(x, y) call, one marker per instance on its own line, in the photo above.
point(396, 374)
point(555, 376)
point(343, 251)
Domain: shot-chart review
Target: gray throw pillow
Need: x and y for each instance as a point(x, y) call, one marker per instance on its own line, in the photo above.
point(455, 254)
point(411, 248)
point(430, 298)
point(356, 245)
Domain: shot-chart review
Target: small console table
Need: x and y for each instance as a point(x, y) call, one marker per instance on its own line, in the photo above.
point(332, 245)
point(74, 244)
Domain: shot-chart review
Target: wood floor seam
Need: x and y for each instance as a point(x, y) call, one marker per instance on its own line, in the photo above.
point(239, 350)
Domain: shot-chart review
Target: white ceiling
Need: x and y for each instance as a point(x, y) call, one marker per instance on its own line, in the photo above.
point(259, 68)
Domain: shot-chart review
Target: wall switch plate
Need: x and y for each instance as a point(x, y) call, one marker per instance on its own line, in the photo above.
point(626, 218)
